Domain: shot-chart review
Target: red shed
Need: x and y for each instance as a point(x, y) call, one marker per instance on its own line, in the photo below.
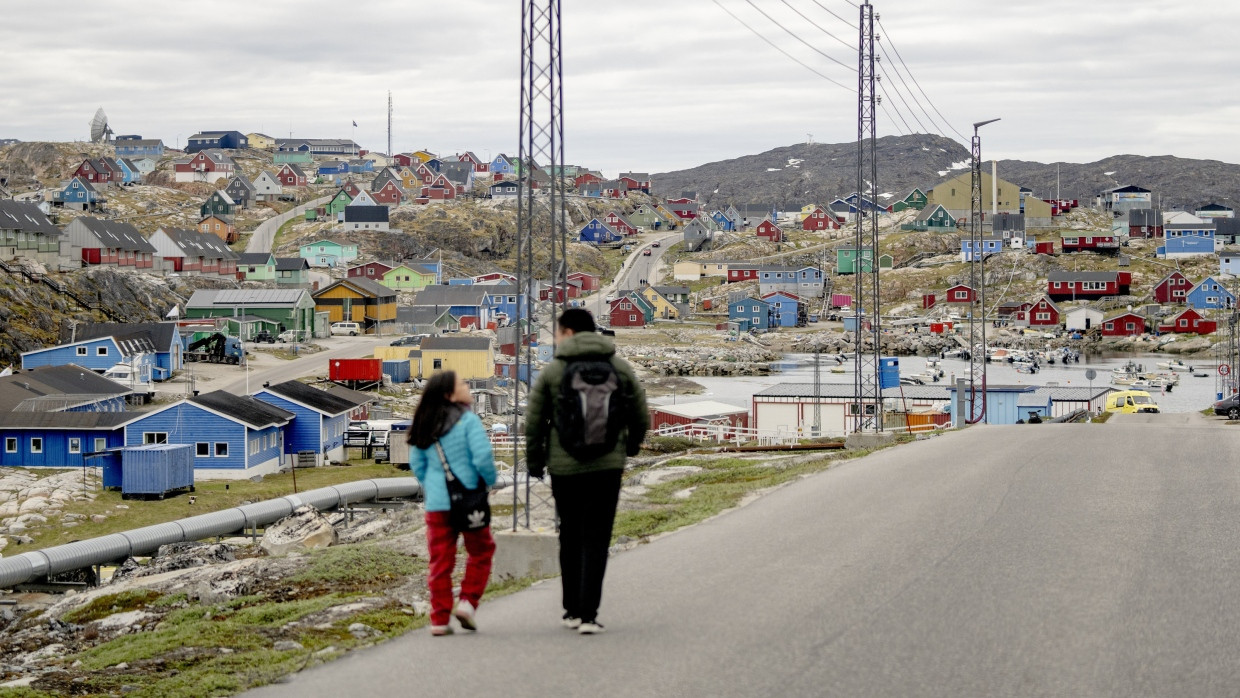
point(355, 370)
point(1125, 325)
point(928, 300)
point(1044, 248)
point(960, 293)
point(1189, 322)
point(1173, 288)
point(623, 312)
point(703, 412)
point(769, 231)
point(589, 282)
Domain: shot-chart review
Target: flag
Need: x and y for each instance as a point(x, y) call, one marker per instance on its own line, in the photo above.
point(174, 313)
point(354, 124)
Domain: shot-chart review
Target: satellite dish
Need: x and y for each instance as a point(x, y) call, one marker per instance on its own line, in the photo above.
point(99, 129)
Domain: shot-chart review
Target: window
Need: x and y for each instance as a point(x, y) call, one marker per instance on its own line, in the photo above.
point(10, 445)
point(101, 351)
point(221, 449)
point(36, 444)
point(1130, 326)
point(100, 445)
point(154, 437)
point(632, 318)
point(75, 445)
point(202, 449)
point(437, 364)
point(1183, 323)
point(1043, 316)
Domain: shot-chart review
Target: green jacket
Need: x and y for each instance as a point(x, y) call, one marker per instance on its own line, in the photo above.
point(542, 442)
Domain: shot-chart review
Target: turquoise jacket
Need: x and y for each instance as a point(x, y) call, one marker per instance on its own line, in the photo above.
point(469, 457)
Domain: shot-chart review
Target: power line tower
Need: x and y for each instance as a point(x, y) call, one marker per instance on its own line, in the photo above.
point(977, 282)
point(541, 220)
point(389, 150)
point(868, 413)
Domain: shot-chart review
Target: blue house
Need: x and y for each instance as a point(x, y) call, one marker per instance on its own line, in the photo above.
point(502, 298)
point(320, 417)
point(130, 174)
point(1003, 403)
point(206, 140)
point(750, 314)
point(166, 342)
point(854, 201)
point(990, 245)
point(234, 436)
point(598, 233)
point(359, 166)
point(784, 308)
point(1210, 294)
point(97, 354)
point(1188, 240)
point(723, 222)
point(54, 416)
point(461, 301)
point(77, 193)
point(331, 169)
point(502, 165)
point(140, 148)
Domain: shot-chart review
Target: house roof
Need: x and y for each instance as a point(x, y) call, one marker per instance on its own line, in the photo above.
point(673, 290)
point(205, 298)
point(292, 263)
point(702, 409)
point(1082, 276)
point(194, 243)
point(140, 142)
point(117, 235)
point(354, 213)
point(329, 241)
point(420, 314)
point(243, 181)
point(159, 334)
point(361, 284)
point(314, 398)
point(456, 344)
point(457, 172)
point(26, 218)
point(254, 258)
point(244, 408)
point(65, 420)
point(65, 380)
point(355, 395)
point(452, 295)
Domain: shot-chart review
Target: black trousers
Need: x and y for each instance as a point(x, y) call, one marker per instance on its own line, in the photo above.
point(586, 505)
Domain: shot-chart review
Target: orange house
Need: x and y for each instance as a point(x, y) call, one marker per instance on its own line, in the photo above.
point(219, 227)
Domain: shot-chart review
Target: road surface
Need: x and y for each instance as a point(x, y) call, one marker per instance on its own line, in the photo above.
point(1048, 560)
point(635, 267)
point(262, 237)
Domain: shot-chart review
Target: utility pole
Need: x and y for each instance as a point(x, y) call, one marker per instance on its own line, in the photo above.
point(389, 149)
point(977, 281)
point(867, 386)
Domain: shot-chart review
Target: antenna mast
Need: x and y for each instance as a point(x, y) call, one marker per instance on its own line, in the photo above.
point(389, 149)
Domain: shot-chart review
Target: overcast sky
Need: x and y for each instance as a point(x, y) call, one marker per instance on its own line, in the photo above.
point(649, 85)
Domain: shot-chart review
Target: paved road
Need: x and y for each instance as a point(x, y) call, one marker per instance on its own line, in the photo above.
point(309, 365)
point(635, 267)
point(1056, 560)
point(262, 237)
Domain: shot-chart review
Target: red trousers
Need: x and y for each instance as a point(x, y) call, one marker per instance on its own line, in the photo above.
point(441, 541)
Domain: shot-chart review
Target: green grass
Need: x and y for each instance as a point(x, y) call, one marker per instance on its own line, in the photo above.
point(1101, 418)
point(721, 485)
point(283, 231)
point(211, 495)
point(104, 606)
point(357, 566)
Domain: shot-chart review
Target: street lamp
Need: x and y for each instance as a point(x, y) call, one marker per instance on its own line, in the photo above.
point(977, 280)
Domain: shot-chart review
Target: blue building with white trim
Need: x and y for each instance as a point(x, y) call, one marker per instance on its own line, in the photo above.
point(598, 233)
point(320, 417)
point(97, 354)
point(750, 314)
point(1210, 294)
point(55, 415)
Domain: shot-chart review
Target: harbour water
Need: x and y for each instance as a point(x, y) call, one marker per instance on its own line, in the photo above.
point(1191, 395)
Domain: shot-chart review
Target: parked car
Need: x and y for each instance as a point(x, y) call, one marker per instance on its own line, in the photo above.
point(1228, 407)
point(350, 328)
point(264, 337)
point(1130, 402)
point(291, 336)
point(412, 340)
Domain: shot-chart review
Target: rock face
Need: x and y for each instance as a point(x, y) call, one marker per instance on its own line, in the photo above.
point(304, 529)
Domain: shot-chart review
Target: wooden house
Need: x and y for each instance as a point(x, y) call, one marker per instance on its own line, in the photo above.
point(1082, 319)
point(820, 219)
point(1087, 285)
point(223, 140)
point(242, 191)
point(26, 233)
point(140, 148)
point(663, 306)
point(696, 236)
point(769, 231)
point(192, 253)
point(1081, 241)
point(256, 266)
point(742, 271)
point(589, 282)
point(390, 194)
point(267, 187)
point(786, 309)
point(596, 232)
point(219, 203)
point(960, 293)
point(205, 166)
point(1210, 294)
point(290, 175)
point(335, 207)
point(292, 272)
point(284, 308)
point(628, 311)
point(470, 357)
point(639, 181)
point(363, 217)
point(107, 242)
point(749, 314)
point(320, 417)
point(78, 194)
point(1173, 288)
point(1044, 313)
point(222, 228)
point(359, 300)
point(850, 260)
point(1123, 325)
point(934, 218)
point(328, 253)
point(1189, 321)
point(1145, 223)
point(618, 222)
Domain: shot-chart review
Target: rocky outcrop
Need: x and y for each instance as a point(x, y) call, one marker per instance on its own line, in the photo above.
point(305, 529)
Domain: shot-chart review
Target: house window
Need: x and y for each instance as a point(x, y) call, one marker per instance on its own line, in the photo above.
point(1183, 323)
point(221, 449)
point(101, 351)
point(81, 351)
point(1131, 326)
point(437, 364)
point(36, 444)
point(202, 449)
point(632, 318)
point(75, 445)
point(10, 445)
point(100, 445)
point(1043, 316)
point(154, 437)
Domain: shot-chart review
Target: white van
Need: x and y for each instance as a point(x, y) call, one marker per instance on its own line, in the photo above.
point(350, 328)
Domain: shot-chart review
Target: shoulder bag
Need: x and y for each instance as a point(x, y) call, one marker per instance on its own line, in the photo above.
point(470, 509)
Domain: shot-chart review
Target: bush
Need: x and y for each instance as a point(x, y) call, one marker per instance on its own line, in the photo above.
point(669, 444)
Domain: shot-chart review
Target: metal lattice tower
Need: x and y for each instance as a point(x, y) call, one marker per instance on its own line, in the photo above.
point(541, 231)
point(977, 282)
point(866, 384)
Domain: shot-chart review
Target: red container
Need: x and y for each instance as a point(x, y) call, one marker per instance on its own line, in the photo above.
point(841, 300)
point(706, 304)
point(928, 300)
point(355, 369)
point(1044, 248)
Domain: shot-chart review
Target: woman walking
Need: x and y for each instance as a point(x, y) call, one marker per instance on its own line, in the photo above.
point(443, 424)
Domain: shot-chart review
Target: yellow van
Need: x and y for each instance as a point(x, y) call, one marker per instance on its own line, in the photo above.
point(1130, 402)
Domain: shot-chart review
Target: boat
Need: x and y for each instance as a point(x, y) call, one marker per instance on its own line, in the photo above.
point(1174, 365)
point(837, 369)
point(1198, 373)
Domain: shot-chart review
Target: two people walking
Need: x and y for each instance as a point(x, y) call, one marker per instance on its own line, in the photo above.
point(586, 414)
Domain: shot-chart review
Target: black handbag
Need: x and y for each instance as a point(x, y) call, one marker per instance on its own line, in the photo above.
point(470, 509)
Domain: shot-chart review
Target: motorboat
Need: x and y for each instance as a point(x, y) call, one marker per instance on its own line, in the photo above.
point(1175, 365)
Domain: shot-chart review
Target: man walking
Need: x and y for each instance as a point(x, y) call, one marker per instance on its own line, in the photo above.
point(586, 413)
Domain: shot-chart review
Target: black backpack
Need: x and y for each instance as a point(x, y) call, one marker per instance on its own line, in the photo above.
point(590, 412)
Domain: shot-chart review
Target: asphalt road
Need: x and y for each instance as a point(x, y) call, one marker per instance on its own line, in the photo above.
point(1050, 560)
point(343, 347)
point(637, 266)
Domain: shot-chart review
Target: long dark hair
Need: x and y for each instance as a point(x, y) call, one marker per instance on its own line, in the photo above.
point(433, 410)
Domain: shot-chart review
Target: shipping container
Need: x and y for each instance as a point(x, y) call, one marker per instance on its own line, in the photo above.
point(355, 370)
point(156, 469)
point(708, 303)
point(397, 370)
point(841, 300)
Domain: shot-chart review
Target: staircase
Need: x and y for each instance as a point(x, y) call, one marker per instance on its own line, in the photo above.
point(37, 278)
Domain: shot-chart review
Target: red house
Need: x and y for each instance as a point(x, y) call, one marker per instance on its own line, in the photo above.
point(1084, 241)
point(1087, 285)
point(636, 180)
point(769, 231)
point(351, 188)
point(495, 277)
point(479, 165)
point(742, 272)
point(623, 312)
point(589, 282)
point(205, 166)
point(290, 175)
point(928, 301)
point(1044, 313)
point(820, 219)
point(960, 293)
point(94, 171)
point(1125, 325)
point(587, 178)
point(1173, 288)
point(1145, 223)
point(704, 412)
point(370, 270)
point(617, 222)
point(405, 159)
point(440, 189)
point(388, 195)
point(1189, 322)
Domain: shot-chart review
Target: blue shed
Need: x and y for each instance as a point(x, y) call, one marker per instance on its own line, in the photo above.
point(398, 369)
point(320, 417)
point(232, 435)
point(156, 469)
point(1002, 403)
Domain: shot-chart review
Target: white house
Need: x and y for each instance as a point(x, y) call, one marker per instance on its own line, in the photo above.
point(1083, 318)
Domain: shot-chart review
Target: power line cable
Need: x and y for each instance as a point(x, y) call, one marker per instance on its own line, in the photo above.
point(897, 110)
point(830, 12)
point(798, 38)
point(919, 88)
point(883, 72)
point(909, 91)
point(789, 55)
point(821, 29)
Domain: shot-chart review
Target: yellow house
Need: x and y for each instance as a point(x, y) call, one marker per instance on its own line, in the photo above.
point(805, 211)
point(469, 357)
point(956, 195)
point(424, 155)
point(357, 299)
point(662, 307)
point(261, 141)
point(409, 180)
point(688, 270)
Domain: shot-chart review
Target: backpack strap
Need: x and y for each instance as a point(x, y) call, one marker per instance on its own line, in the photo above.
point(443, 460)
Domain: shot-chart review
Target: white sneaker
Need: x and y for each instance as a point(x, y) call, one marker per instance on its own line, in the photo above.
point(591, 628)
point(464, 614)
point(570, 622)
point(441, 630)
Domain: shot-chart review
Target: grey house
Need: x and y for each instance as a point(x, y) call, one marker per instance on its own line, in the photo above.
point(697, 236)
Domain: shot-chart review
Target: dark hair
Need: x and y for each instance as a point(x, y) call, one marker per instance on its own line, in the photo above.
point(577, 320)
point(432, 411)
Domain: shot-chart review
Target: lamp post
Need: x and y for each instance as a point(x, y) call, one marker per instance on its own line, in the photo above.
point(977, 281)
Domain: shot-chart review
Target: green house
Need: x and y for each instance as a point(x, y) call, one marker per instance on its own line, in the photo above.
point(328, 253)
point(406, 277)
point(292, 272)
point(218, 204)
point(282, 309)
point(846, 260)
point(338, 202)
point(886, 261)
point(916, 200)
point(294, 158)
point(646, 216)
point(257, 266)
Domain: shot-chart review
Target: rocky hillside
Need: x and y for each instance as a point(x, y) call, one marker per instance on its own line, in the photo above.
point(820, 172)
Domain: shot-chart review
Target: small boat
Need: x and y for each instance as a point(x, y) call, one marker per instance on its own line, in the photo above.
point(1198, 373)
point(1174, 365)
point(837, 369)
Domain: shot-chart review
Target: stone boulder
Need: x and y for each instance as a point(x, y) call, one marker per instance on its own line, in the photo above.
point(305, 529)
